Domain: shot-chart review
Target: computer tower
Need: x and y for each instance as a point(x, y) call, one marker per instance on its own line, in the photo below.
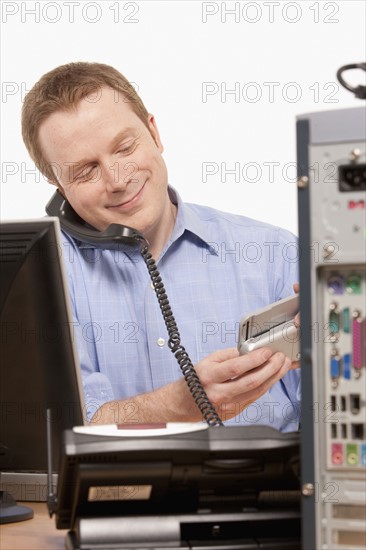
point(331, 193)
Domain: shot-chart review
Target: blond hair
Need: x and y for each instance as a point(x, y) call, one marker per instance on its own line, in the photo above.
point(62, 89)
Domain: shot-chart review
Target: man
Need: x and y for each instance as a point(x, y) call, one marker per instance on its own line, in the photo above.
point(90, 134)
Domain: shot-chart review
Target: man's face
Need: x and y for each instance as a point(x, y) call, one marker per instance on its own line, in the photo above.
point(108, 164)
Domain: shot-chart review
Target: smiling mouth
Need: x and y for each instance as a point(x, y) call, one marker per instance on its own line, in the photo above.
point(130, 202)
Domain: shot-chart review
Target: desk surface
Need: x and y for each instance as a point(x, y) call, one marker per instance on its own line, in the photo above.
point(38, 533)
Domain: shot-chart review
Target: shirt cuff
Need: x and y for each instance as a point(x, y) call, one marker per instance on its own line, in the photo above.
point(97, 391)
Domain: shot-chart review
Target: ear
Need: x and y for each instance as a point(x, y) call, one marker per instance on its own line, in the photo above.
point(154, 132)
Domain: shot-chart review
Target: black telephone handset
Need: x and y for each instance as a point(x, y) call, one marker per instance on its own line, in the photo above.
point(116, 234)
point(71, 222)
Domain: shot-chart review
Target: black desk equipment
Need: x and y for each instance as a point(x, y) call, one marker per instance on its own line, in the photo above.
point(218, 488)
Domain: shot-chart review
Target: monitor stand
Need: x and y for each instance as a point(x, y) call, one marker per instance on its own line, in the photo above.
point(10, 511)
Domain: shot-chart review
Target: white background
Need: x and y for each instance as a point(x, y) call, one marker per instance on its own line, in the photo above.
point(281, 57)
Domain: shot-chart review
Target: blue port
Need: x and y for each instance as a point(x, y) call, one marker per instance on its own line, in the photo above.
point(335, 367)
point(347, 363)
point(363, 454)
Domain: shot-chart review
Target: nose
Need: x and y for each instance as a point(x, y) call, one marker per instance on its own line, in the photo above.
point(117, 175)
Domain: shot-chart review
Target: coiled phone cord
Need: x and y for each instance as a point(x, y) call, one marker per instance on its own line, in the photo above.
point(193, 382)
point(116, 233)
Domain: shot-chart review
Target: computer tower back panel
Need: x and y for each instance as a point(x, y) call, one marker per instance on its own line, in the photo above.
point(332, 185)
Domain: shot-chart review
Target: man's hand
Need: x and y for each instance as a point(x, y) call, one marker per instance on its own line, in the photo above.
point(232, 382)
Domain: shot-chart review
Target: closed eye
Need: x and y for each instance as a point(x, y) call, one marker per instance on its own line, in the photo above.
point(87, 173)
point(127, 148)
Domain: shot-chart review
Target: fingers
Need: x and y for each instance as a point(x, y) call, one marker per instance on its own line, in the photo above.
point(222, 355)
point(229, 409)
point(296, 288)
point(259, 379)
point(225, 365)
point(232, 382)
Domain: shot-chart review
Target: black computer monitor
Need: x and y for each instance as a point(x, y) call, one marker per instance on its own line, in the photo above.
point(39, 375)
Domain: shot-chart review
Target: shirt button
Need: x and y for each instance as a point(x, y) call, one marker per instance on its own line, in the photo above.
point(160, 342)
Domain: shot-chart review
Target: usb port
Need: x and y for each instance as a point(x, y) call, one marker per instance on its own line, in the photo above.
point(343, 403)
point(333, 404)
point(354, 401)
point(333, 431)
point(344, 431)
point(357, 431)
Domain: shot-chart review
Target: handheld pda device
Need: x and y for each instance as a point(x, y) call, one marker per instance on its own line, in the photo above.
point(272, 327)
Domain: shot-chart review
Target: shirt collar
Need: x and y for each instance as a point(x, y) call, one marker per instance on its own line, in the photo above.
point(187, 220)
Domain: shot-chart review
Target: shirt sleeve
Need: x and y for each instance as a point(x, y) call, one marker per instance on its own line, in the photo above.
point(96, 385)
